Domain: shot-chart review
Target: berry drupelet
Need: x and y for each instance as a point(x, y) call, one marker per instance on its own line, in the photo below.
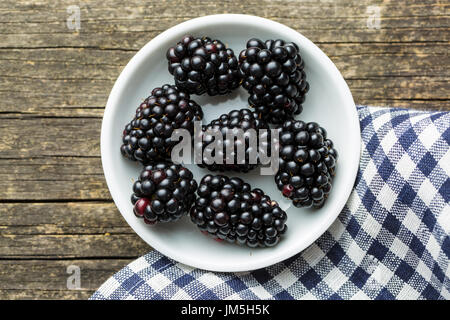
point(164, 192)
point(307, 163)
point(202, 65)
point(148, 136)
point(244, 156)
point(272, 73)
point(228, 209)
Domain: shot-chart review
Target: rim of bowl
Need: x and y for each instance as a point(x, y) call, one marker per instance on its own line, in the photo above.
point(204, 22)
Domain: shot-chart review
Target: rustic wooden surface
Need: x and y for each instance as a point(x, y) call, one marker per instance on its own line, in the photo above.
point(55, 209)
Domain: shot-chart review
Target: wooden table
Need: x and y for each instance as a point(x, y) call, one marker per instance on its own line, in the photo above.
point(55, 208)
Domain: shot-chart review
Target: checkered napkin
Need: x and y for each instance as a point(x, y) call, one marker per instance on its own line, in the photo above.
point(391, 240)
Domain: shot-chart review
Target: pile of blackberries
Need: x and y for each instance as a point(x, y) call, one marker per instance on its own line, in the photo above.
point(148, 136)
point(203, 65)
point(243, 119)
point(273, 75)
point(164, 192)
point(228, 209)
point(307, 163)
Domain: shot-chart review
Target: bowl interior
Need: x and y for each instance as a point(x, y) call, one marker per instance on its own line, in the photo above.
point(329, 102)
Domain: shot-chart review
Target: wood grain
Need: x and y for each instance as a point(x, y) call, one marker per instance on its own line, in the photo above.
point(55, 209)
point(52, 177)
point(47, 279)
point(52, 230)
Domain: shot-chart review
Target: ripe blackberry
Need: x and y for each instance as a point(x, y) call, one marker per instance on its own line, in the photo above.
point(164, 192)
point(307, 163)
point(272, 73)
point(202, 65)
point(226, 125)
point(148, 136)
point(227, 209)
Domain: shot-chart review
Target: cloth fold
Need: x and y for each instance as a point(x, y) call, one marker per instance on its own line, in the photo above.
point(391, 240)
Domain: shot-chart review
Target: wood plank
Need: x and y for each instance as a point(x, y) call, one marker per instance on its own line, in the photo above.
point(410, 87)
point(418, 88)
point(47, 279)
point(431, 105)
point(126, 34)
point(114, 24)
point(377, 67)
point(104, 26)
point(27, 137)
point(39, 294)
point(66, 230)
point(69, 246)
point(416, 81)
point(389, 60)
point(55, 218)
point(52, 177)
point(400, 88)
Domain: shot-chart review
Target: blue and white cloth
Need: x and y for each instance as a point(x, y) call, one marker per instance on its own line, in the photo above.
point(391, 241)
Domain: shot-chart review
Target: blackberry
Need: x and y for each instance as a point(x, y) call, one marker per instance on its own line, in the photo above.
point(202, 65)
point(273, 74)
point(226, 126)
point(148, 136)
point(307, 163)
point(164, 192)
point(227, 209)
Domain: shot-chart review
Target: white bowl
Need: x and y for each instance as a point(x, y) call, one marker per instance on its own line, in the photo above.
point(328, 102)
